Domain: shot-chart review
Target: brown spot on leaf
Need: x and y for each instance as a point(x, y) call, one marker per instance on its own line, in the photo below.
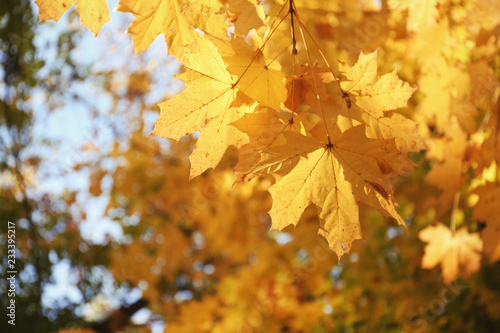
point(379, 189)
point(384, 167)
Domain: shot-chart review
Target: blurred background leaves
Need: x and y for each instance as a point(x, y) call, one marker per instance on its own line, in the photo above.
point(112, 237)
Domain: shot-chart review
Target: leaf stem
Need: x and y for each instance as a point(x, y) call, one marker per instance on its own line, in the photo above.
point(294, 41)
point(294, 52)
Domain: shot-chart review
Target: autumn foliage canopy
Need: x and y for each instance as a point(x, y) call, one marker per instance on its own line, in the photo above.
point(330, 107)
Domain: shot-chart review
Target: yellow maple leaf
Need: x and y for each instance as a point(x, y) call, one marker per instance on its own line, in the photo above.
point(214, 139)
point(209, 103)
point(372, 93)
point(370, 99)
point(204, 106)
point(335, 178)
point(451, 250)
point(173, 18)
point(152, 18)
point(93, 13)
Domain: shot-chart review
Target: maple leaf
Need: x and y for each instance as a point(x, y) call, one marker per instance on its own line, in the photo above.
point(373, 96)
point(372, 93)
point(204, 106)
point(152, 18)
point(451, 250)
point(209, 104)
point(93, 13)
point(335, 178)
point(173, 18)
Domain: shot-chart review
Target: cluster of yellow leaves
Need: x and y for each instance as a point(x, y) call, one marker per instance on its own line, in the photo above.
point(234, 94)
point(344, 147)
point(459, 104)
point(331, 137)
